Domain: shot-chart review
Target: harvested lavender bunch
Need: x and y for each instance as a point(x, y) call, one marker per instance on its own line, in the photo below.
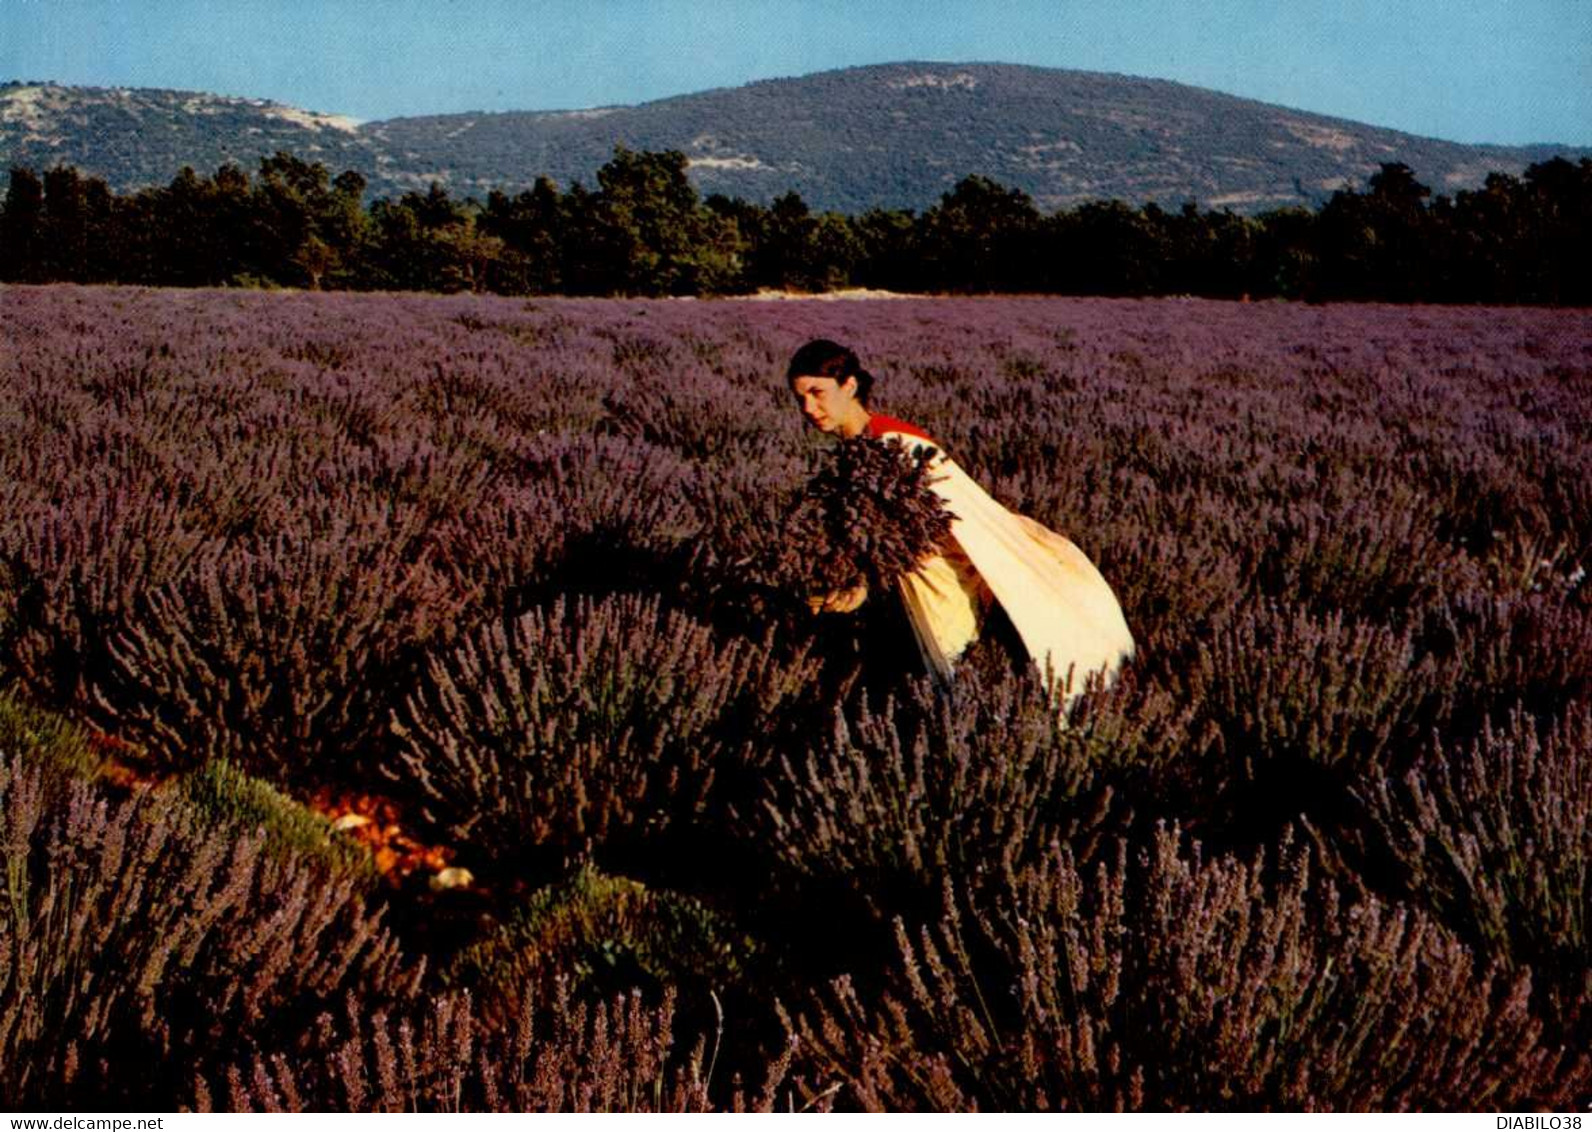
point(865, 518)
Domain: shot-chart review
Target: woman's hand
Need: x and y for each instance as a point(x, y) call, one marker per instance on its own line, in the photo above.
point(838, 601)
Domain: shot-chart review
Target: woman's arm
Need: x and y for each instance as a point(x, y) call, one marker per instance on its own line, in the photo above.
point(839, 601)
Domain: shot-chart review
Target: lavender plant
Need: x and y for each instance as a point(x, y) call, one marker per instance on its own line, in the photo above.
point(1497, 838)
point(133, 926)
point(1331, 692)
point(1498, 651)
point(586, 721)
point(1166, 980)
point(443, 1060)
point(557, 1054)
point(972, 784)
point(275, 655)
point(570, 515)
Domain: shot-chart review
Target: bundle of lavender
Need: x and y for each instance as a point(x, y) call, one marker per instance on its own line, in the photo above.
point(866, 518)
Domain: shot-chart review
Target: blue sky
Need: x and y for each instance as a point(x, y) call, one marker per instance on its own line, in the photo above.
point(1506, 71)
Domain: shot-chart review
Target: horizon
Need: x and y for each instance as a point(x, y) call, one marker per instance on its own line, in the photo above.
point(1496, 72)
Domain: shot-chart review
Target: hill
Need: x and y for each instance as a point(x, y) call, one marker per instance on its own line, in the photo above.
point(134, 138)
point(895, 135)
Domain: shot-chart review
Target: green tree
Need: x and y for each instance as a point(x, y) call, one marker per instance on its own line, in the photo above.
point(1285, 261)
point(1109, 248)
point(654, 233)
point(344, 227)
point(1377, 245)
point(837, 249)
point(1405, 238)
point(106, 236)
point(887, 250)
point(309, 230)
point(65, 226)
point(594, 257)
point(981, 237)
point(530, 226)
point(22, 229)
point(227, 204)
point(1209, 253)
point(430, 242)
point(173, 233)
point(785, 252)
point(1560, 198)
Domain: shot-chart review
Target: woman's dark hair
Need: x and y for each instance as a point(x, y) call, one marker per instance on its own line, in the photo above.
point(823, 358)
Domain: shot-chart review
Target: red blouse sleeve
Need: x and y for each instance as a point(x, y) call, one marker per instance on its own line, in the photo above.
point(879, 424)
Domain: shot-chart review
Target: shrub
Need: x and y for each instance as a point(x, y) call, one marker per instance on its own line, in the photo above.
point(589, 721)
point(1167, 980)
point(598, 934)
point(1332, 691)
point(571, 516)
point(276, 654)
point(132, 926)
point(557, 1054)
point(971, 783)
point(234, 800)
point(1496, 652)
point(41, 737)
point(86, 560)
point(1371, 546)
point(1497, 839)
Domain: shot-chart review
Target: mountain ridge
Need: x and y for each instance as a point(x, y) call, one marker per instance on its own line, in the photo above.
point(885, 135)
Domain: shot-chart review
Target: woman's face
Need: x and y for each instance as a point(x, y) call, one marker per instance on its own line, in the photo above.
point(827, 404)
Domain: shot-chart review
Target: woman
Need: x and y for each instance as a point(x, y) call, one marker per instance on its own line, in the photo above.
point(1066, 615)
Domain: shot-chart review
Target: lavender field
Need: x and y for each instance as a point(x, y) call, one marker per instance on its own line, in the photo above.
point(512, 568)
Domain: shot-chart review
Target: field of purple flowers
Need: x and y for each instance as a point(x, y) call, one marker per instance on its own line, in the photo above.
point(516, 566)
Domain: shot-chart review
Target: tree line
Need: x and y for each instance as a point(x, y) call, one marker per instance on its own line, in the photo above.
point(645, 230)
